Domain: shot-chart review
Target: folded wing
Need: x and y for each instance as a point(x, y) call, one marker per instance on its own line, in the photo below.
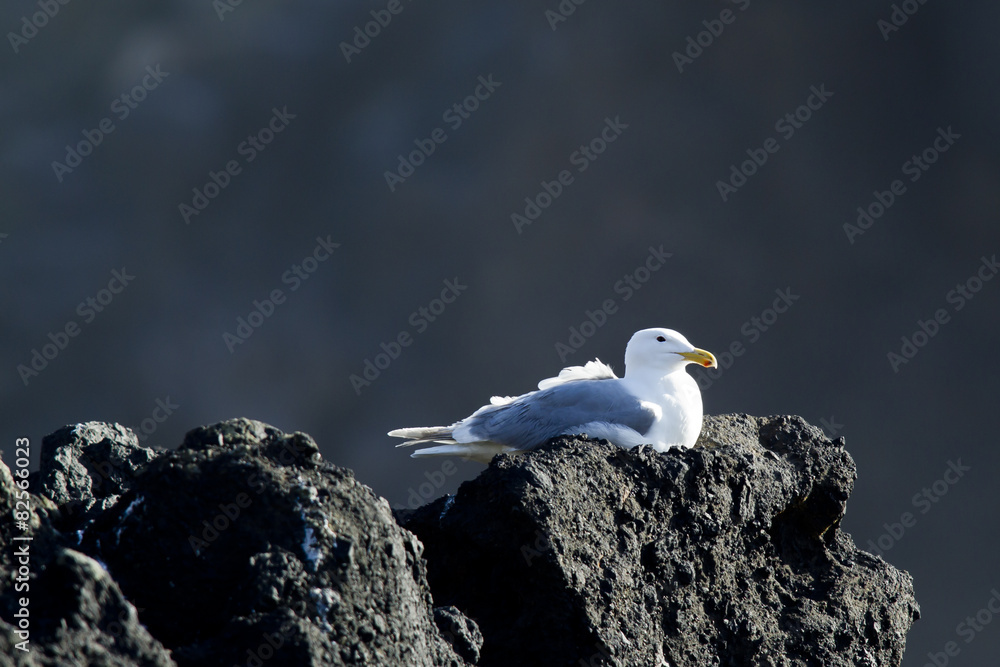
point(533, 418)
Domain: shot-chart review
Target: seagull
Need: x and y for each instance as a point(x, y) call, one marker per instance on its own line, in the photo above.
point(656, 403)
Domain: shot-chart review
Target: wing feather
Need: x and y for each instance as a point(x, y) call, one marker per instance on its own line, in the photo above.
point(533, 418)
point(592, 370)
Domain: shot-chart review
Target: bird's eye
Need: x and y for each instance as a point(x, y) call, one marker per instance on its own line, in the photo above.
point(661, 339)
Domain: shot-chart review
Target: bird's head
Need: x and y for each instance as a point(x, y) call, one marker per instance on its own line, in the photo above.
point(665, 351)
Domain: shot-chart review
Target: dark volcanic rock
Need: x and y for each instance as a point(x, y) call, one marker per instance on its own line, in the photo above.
point(243, 546)
point(89, 462)
point(580, 553)
point(461, 632)
point(97, 625)
point(76, 614)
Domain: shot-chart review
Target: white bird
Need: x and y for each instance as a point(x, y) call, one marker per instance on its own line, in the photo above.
point(656, 403)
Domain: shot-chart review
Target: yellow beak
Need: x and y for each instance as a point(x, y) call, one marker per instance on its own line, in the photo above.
point(701, 357)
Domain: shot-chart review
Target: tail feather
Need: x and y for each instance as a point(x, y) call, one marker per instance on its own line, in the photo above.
point(481, 452)
point(443, 437)
point(421, 434)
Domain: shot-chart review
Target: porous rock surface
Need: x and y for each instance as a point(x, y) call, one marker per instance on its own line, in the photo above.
point(730, 553)
point(243, 547)
point(77, 614)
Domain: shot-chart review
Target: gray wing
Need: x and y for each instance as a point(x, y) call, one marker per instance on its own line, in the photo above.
point(534, 418)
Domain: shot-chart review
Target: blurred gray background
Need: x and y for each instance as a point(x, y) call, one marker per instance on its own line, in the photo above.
point(155, 356)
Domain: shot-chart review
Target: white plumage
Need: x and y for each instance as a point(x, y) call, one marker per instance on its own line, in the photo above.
point(656, 403)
